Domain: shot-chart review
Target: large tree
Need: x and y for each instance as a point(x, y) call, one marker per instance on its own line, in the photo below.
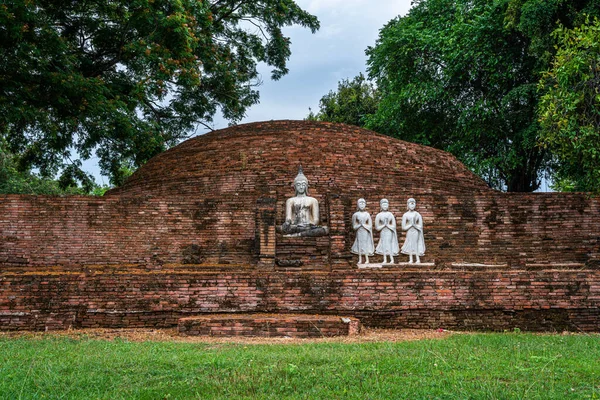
point(127, 79)
point(353, 101)
point(462, 75)
point(453, 76)
point(15, 181)
point(570, 107)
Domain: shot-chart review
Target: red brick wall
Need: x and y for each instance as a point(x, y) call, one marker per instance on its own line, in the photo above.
point(261, 160)
point(268, 325)
point(215, 201)
point(505, 228)
point(451, 299)
point(491, 228)
point(69, 231)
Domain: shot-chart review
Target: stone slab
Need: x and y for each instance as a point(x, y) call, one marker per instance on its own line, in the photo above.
point(269, 325)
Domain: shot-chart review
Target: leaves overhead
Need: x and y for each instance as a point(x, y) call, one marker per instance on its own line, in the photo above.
point(570, 107)
point(463, 76)
point(14, 181)
point(126, 80)
point(453, 76)
point(352, 102)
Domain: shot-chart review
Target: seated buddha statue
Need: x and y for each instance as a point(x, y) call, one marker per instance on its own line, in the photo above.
point(302, 212)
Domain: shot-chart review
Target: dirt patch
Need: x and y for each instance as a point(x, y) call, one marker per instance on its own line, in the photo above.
point(171, 335)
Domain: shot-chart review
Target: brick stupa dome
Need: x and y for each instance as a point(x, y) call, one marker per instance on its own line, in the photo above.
point(197, 232)
point(248, 161)
point(226, 177)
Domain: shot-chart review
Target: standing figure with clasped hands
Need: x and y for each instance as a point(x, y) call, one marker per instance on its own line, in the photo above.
point(412, 223)
point(385, 223)
point(363, 226)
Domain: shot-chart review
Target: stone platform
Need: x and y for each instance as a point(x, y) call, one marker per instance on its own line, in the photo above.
point(269, 325)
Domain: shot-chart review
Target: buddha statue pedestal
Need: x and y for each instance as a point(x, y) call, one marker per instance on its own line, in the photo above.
point(302, 212)
point(302, 242)
point(290, 230)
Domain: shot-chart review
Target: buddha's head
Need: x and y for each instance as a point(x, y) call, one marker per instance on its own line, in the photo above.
point(411, 204)
point(301, 183)
point(362, 204)
point(384, 204)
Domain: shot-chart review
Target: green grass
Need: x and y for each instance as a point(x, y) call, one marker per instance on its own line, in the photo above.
point(473, 366)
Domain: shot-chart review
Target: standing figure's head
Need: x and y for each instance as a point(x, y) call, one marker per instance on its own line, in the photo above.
point(384, 204)
point(301, 183)
point(362, 204)
point(411, 204)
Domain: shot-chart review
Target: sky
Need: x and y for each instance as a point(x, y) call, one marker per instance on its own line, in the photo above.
point(318, 61)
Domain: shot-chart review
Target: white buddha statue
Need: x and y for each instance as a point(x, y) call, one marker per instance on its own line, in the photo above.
point(302, 211)
point(363, 226)
point(412, 223)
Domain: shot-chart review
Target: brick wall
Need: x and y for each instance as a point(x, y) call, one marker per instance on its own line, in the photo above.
point(492, 228)
point(269, 325)
point(396, 297)
point(213, 203)
point(70, 231)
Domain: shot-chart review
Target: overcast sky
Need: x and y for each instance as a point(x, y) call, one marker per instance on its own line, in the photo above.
point(318, 61)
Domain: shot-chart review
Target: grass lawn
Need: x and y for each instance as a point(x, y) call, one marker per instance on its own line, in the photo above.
point(461, 366)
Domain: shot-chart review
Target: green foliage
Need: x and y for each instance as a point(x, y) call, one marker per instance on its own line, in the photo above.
point(453, 75)
point(484, 366)
point(463, 76)
point(570, 107)
point(13, 181)
point(126, 80)
point(351, 104)
point(538, 19)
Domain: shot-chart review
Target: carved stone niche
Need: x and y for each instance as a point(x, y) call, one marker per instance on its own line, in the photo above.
point(265, 231)
point(277, 250)
point(302, 237)
point(296, 252)
point(302, 212)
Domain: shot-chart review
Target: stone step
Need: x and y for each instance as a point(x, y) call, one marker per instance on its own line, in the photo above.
point(269, 325)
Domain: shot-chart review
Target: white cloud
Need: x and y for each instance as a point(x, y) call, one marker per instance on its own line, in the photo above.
point(320, 61)
point(316, 6)
point(330, 31)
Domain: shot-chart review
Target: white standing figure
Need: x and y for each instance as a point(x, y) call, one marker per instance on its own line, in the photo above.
point(412, 223)
point(385, 223)
point(363, 226)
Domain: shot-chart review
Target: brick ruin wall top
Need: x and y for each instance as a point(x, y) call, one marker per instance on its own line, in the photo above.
point(243, 163)
point(216, 200)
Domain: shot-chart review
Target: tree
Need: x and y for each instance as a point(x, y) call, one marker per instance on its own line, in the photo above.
point(13, 181)
point(452, 75)
point(126, 80)
point(570, 107)
point(353, 101)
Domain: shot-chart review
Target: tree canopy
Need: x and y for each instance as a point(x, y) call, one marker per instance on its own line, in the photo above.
point(454, 76)
point(570, 107)
point(126, 80)
point(464, 76)
point(353, 101)
point(15, 181)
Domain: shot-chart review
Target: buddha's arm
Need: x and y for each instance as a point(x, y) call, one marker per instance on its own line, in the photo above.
point(392, 223)
point(356, 222)
point(405, 224)
point(369, 223)
point(314, 218)
point(418, 222)
point(288, 210)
